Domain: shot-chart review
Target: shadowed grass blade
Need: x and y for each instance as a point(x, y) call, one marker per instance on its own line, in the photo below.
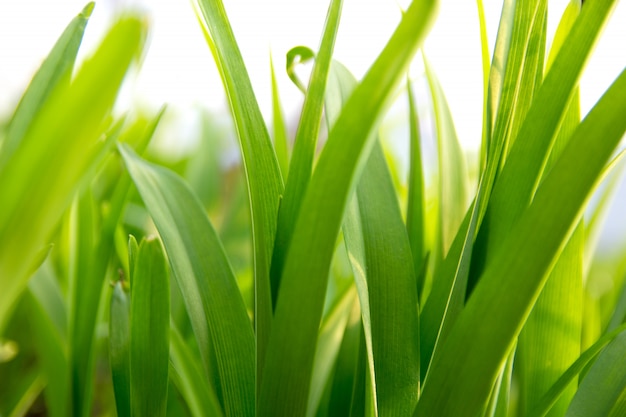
point(119, 348)
point(286, 380)
point(204, 275)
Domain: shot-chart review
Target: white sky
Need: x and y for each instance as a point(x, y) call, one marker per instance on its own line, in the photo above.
point(178, 68)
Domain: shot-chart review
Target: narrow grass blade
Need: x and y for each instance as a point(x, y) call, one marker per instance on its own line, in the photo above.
point(263, 176)
point(186, 374)
point(119, 348)
point(149, 331)
point(484, 53)
point(286, 380)
point(58, 154)
point(603, 384)
point(55, 71)
point(28, 396)
point(467, 365)
point(452, 172)
point(281, 143)
point(305, 144)
point(215, 307)
point(415, 213)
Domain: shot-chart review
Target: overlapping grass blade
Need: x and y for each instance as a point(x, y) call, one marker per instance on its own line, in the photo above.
point(380, 254)
point(58, 154)
point(216, 309)
point(185, 373)
point(551, 339)
point(286, 380)
point(305, 144)
point(527, 158)
point(467, 365)
point(119, 348)
point(604, 383)
point(55, 72)
point(554, 393)
point(263, 176)
point(486, 65)
point(149, 331)
point(91, 254)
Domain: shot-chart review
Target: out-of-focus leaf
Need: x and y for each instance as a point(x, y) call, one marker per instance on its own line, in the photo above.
point(215, 307)
point(55, 71)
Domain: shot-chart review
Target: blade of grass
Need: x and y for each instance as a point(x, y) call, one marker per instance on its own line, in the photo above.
point(149, 331)
point(263, 176)
point(486, 65)
point(55, 71)
point(415, 211)
point(191, 384)
point(467, 365)
point(305, 144)
point(215, 306)
point(298, 311)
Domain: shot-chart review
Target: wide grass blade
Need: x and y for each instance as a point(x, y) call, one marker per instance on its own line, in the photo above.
point(305, 144)
point(204, 275)
point(58, 154)
point(263, 176)
point(55, 71)
point(467, 365)
point(149, 331)
point(286, 380)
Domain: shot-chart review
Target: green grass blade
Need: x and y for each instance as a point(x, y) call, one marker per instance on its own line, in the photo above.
point(58, 154)
point(149, 331)
point(452, 172)
point(119, 348)
point(390, 288)
point(305, 144)
point(527, 158)
point(603, 384)
point(55, 70)
point(553, 394)
point(299, 308)
point(468, 363)
point(415, 221)
point(281, 143)
point(196, 253)
point(263, 176)
point(185, 373)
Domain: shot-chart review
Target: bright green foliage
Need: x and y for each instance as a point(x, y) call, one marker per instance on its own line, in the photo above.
point(299, 287)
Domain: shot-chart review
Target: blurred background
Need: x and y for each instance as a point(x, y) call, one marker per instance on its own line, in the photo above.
point(178, 68)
